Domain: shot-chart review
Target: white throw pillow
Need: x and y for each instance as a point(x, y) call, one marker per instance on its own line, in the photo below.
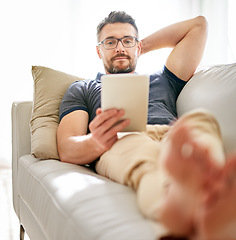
point(214, 88)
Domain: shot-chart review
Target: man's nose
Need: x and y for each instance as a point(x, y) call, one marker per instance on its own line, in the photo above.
point(120, 47)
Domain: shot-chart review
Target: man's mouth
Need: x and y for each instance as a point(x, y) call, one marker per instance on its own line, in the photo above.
point(120, 57)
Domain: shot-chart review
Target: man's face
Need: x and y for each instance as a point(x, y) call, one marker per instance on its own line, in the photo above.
point(119, 59)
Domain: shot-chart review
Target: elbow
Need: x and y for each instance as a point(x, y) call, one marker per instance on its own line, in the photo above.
point(64, 153)
point(64, 150)
point(202, 22)
point(64, 157)
point(201, 26)
point(68, 156)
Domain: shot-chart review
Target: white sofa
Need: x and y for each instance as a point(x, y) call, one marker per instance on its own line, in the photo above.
point(61, 201)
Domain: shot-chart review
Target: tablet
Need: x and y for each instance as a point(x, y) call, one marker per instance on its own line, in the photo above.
point(128, 91)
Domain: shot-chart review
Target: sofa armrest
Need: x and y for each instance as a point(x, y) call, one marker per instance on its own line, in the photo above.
point(21, 112)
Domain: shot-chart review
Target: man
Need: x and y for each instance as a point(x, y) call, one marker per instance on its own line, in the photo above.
point(173, 163)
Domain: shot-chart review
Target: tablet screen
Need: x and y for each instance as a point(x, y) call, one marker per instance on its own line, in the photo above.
point(129, 92)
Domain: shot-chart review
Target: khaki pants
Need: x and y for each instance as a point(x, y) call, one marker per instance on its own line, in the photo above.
point(134, 159)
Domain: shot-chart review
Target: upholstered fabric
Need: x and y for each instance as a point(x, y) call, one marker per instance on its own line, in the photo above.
point(72, 202)
point(49, 88)
point(214, 88)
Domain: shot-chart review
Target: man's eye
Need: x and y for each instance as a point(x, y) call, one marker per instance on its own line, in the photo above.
point(128, 41)
point(110, 42)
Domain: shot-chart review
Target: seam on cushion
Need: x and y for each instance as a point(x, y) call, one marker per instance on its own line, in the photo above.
point(35, 218)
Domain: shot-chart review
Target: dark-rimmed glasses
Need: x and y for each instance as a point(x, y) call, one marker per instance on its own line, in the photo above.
point(111, 43)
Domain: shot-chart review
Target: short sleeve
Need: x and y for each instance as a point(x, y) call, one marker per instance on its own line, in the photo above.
point(75, 98)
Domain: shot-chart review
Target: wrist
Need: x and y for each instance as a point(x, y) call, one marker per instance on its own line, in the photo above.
point(95, 146)
point(144, 47)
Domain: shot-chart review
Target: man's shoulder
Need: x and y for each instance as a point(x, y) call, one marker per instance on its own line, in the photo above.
point(166, 74)
point(156, 76)
point(83, 83)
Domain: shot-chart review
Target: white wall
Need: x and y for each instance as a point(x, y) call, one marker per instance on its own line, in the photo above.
point(32, 33)
point(61, 34)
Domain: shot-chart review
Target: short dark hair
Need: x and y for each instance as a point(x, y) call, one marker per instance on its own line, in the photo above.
point(116, 17)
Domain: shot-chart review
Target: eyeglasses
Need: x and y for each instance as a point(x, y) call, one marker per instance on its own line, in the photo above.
point(111, 43)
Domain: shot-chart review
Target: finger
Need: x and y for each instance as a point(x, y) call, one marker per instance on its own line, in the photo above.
point(107, 139)
point(116, 128)
point(98, 111)
point(110, 137)
point(101, 117)
point(112, 121)
point(106, 119)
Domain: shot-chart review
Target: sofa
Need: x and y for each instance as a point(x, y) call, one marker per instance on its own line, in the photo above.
point(61, 201)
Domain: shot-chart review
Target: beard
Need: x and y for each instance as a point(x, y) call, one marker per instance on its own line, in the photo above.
point(111, 68)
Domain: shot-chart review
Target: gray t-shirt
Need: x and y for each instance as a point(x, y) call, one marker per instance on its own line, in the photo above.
point(164, 89)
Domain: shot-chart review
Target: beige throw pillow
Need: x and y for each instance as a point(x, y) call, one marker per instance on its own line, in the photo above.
point(49, 88)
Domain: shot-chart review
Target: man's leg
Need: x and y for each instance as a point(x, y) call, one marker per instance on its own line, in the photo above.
point(129, 158)
point(192, 155)
point(133, 161)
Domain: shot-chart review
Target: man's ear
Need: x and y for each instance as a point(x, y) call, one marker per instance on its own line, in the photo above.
point(139, 48)
point(98, 51)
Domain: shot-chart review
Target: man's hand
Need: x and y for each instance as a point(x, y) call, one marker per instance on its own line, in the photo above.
point(76, 146)
point(105, 126)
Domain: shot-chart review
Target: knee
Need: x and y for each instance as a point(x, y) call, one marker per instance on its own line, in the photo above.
point(201, 119)
point(199, 115)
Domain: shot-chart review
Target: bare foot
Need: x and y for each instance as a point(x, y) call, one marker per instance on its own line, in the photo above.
point(217, 218)
point(191, 168)
point(188, 162)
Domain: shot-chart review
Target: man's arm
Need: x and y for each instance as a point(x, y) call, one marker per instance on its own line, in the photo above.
point(188, 38)
point(76, 146)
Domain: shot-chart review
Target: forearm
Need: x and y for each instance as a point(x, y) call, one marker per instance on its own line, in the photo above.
point(79, 149)
point(75, 146)
point(171, 35)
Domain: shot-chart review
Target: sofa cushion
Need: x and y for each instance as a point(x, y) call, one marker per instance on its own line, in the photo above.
point(72, 202)
point(49, 88)
point(213, 88)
